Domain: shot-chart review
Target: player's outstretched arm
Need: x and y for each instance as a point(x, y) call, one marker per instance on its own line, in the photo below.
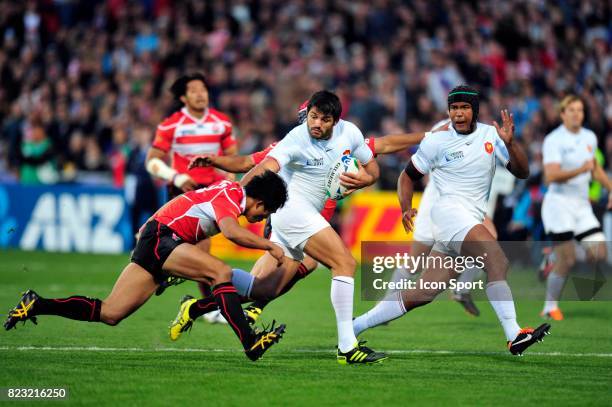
point(236, 164)
point(231, 229)
point(405, 190)
point(518, 164)
point(393, 143)
point(267, 164)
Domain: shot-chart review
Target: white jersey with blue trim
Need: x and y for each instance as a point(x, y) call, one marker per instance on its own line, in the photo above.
point(305, 161)
point(462, 165)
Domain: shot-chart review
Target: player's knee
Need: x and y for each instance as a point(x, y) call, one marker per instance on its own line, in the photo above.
point(347, 265)
point(497, 267)
point(222, 274)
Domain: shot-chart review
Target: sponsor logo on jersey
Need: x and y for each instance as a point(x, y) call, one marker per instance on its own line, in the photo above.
point(317, 162)
point(346, 152)
point(589, 149)
point(453, 156)
point(488, 147)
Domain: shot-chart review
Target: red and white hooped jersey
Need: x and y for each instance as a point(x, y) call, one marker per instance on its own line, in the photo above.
point(330, 205)
point(195, 215)
point(186, 136)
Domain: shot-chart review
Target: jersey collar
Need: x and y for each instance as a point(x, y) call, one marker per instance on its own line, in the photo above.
point(185, 111)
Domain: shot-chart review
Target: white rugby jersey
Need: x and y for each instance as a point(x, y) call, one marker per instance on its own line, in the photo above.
point(570, 150)
point(430, 194)
point(462, 166)
point(305, 161)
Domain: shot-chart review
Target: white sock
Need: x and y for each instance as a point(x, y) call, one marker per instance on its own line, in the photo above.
point(554, 287)
point(500, 297)
point(390, 308)
point(342, 289)
point(468, 275)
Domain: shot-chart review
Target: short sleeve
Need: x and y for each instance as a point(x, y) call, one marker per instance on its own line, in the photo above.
point(288, 149)
point(361, 151)
point(227, 204)
point(501, 151)
point(228, 139)
point(551, 153)
point(259, 156)
point(371, 143)
point(424, 159)
point(163, 137)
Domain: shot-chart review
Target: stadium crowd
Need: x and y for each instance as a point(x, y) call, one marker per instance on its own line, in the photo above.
point(84, 83)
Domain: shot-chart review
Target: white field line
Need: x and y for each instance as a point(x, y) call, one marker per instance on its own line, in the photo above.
point(312, 351)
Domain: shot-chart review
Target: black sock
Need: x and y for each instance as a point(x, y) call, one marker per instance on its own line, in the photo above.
point(208, 304)
point(75, 307)
point(228, 301)
point(203, 306)
point(205, 290)
point(301, 273)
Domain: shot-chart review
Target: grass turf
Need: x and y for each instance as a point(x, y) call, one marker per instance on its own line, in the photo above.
point(439, 355)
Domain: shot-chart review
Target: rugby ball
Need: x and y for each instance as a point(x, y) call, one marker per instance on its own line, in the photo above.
point(333, 188)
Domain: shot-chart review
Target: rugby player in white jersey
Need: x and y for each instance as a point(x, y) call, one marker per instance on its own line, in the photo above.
point(464, 162)
point(305, 155)
point(567, 214)
point(423, 238)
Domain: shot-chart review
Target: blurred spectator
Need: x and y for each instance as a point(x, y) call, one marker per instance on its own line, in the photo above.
point(36, 156)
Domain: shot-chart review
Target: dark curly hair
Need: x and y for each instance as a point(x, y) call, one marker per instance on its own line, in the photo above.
point(179, 87)
point(269, 188)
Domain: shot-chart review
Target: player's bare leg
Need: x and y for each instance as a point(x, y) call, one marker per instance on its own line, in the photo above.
point(132, 289)
point(327, 248)
point(397, 303)
point(480, 242)
point(565, 259)
point(204, 245)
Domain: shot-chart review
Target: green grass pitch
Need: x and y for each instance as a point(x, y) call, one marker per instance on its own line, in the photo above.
point(438, 354)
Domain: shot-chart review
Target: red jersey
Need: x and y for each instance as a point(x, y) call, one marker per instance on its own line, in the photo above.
point(195, 215)
point(185, 137)
point(330, 204)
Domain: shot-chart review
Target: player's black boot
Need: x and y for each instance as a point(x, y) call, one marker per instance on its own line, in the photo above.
point(528, 337)
point(360, 354)
point(22, 311)
point(264, 340)
point(467, 302)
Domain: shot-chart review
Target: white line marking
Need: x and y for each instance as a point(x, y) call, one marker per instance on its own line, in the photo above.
point(316, 351)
